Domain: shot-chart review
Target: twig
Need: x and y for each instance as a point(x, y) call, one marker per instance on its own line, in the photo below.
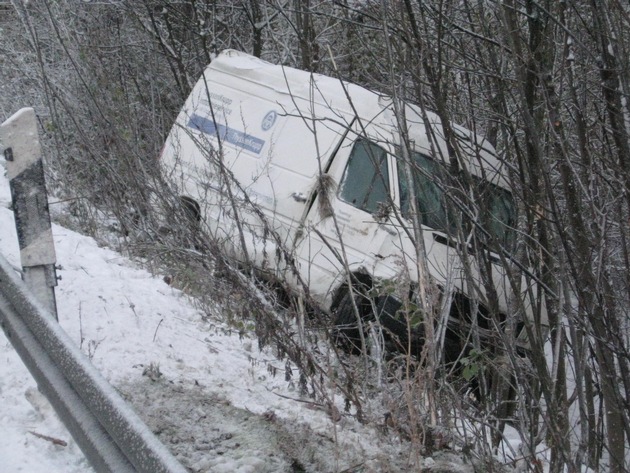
point(53, 440)
point(156, 328)
point(316, 404)
point(80, 326)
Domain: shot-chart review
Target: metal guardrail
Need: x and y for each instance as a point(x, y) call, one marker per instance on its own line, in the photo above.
point(112, 437)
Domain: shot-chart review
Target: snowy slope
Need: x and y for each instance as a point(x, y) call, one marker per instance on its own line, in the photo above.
point(208, 394)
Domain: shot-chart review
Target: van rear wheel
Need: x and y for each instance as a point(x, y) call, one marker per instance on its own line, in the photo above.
point(190, 210)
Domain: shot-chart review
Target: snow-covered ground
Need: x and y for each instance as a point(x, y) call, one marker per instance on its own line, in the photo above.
point(208, 394)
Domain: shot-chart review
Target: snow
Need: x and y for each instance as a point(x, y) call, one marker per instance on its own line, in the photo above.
point(208, 394)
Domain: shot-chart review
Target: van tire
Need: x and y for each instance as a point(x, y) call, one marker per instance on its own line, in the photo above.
point(347, 331)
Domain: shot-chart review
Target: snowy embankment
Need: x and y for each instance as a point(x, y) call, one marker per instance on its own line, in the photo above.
point(207, 393)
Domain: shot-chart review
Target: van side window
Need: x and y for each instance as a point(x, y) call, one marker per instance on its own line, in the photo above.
point(365, 182)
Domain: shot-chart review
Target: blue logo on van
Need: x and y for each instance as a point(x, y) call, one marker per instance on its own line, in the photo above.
point(269, 120)
point(223, 132)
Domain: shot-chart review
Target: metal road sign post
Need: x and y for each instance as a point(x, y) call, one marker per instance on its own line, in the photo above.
point(25, 170)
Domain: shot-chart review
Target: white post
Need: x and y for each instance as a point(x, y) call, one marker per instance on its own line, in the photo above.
point(25, 170)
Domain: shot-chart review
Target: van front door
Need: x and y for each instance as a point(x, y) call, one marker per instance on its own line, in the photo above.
point(346, 228)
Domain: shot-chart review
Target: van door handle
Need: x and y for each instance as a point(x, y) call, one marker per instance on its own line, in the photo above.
point(387, 228)
point(298, 197)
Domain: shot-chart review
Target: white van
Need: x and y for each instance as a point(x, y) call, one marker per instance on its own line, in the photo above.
point(302, 177)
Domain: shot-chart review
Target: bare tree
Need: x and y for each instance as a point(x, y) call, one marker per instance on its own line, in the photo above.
point(546, 82)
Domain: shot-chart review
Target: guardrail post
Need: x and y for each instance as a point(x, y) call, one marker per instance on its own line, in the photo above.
point(25, 170)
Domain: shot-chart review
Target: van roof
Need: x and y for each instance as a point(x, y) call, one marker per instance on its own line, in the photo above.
point(321, 89)
point(353, 100)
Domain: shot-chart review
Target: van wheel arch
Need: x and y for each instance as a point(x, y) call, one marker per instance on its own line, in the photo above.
point(190, 209)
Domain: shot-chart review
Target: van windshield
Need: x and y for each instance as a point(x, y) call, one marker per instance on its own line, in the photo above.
point(494, 205)
point(430, 199)
point(499, 211)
